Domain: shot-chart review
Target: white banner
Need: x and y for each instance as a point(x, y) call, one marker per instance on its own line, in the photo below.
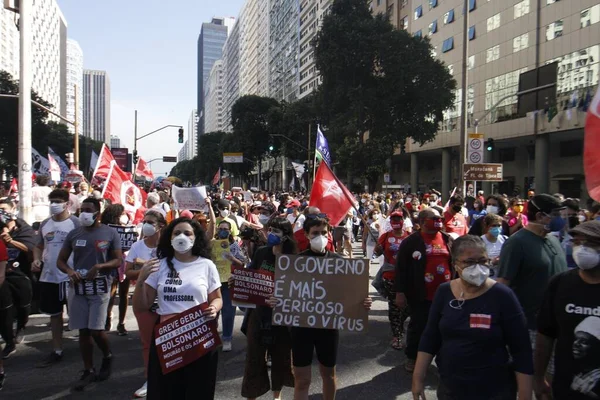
point(193, 198)
point(39, 164)
point(64, 168)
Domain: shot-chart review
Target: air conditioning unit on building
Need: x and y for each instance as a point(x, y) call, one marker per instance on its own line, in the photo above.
point(12, 5)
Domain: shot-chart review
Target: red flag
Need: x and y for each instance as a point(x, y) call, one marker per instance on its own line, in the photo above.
point(54, 168)
point(591, 161)
point(14, 188)
point(103, 165)
point(330, 195)
point(217, 177)
point(143, 169)
point(119, 189)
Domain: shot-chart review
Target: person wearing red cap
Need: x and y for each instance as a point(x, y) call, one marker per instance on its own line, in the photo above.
point(294, 216)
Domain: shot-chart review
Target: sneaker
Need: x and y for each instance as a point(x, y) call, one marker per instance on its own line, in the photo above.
point(53, 358)
point(8, 351)
point(20, 336)
point(409, 365)
point(121, 331)
point(86, 378)
point(227, 345)
point(143, 391)
point(2, 379)
point(105, 369)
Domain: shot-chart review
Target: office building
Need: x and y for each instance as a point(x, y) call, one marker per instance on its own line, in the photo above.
point(115, 142)
point(192, 135)
point(183, 154)
point(284, 49)
point(213, 99)
point(254, 53)
point(96, 105)
point(231, 71)
point(74, 83)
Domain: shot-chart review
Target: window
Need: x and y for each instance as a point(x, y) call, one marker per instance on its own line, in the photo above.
point(471, 62)
point(449, 17)
point(520, 42)
point(472, 32)
point(433, 3)
point(521, 9)
point(498, 87)
point(571, 148)
point(493, 53)
point(590, 16)
point(507, 154)
point(433, 27)
point(493, 22)
point(472, 5)
point(418, 33)
point(404, 23)
point(378, 2)
point(418, 12)
point(554, 30)
point(451, 69)
point(448, 45)
point(577, 73)
point(551, 1)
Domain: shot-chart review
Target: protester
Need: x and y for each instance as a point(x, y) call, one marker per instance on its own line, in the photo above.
point(225, 215)
point(96, 250)
point(370, 233)
point(495, 204)
point(455, 223)
point(300, 236)
point(39, 198)
point(572, 215)
point(569, 323)
point(294, 215)
point(494, 240)
point(53, 282)
point(422, 265)
point(184, 252)
point(477, 330)
point(477, 212)
point(515, 217)
point(342, 234)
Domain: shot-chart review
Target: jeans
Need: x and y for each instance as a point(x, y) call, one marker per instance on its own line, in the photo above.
point(227, 312)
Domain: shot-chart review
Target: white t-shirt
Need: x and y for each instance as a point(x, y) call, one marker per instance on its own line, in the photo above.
point(52, 234)
point(187, 287)
point(40, 202)
point(140, 250)
point(297, 222)
point(493, 251)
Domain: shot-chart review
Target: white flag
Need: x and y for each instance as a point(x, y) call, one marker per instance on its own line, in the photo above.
point(39, 164)
point(93, 160)
point(64, 168)
point(299, 168)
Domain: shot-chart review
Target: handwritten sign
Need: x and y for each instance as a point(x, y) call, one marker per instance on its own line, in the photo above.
point(193, 198)
point(185, 338)
point(320, 292)
point(251, 285)
point(128, 235)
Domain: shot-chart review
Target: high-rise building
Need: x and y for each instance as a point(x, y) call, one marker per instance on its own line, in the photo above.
point(213, 99)
point(231, 70)
point(254, 53)
point(74, 83)
point(96, 105)
point(210, 49)
point(115, 142)
point(9, 43)
point(183, 153)
point(284, 49)
point(192, 134)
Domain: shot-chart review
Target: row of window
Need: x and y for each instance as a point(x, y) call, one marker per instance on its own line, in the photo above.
point(433, 3)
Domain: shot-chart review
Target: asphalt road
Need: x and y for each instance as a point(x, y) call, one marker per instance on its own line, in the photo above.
point(368, 368)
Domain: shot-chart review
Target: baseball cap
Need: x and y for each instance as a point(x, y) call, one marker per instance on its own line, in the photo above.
point(588, 228)
point(396, 213)
point(293, 203)
point(546, 203)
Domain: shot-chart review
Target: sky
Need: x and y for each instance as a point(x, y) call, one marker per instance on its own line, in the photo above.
point(149, 50)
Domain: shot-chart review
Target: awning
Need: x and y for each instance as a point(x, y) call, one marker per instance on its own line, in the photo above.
point(568, 177)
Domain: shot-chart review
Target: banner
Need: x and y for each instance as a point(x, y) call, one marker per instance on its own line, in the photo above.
point(128, 235)
point(64, 168)
point(193, 198)
point(322, 147)
point(185, 338)
point(93, 161)
point(321, 292)
point(330, 195)
point(105, 160)
point(591, 161)
point(144, 170)
point(119, 189)
point(39, 164)
point(251, 285)
point(54, 168)
point(217, 177)
point(299, 168)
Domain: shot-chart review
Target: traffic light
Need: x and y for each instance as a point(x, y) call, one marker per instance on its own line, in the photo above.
point(180, 135)
point(271, 147)
point(402, 148)
point(136, 158)
point(489, 145)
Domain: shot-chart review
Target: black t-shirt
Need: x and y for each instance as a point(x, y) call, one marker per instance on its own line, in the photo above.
point(570, 314)
point(263, 259)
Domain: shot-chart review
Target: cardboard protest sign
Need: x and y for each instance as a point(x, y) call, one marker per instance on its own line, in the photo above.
point(128, 235)
point(193, 198)
point(320, 292)
point(251, 285)
point(185, 338)
point(220, 252)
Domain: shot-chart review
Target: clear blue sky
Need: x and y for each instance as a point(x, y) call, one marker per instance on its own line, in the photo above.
point(149, 49)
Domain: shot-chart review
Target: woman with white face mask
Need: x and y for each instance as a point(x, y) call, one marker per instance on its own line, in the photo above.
point(475, 328)
point(141, 252)
point(183, 267)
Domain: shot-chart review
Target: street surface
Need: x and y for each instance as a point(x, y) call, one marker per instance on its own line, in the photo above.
point(368, 368)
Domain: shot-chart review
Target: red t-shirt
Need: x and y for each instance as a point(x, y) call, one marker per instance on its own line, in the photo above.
point(3, 252)
point(455, 223)
point(390, 244)
point(437, 267)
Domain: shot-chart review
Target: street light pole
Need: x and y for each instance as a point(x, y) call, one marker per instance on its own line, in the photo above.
point(464, 105)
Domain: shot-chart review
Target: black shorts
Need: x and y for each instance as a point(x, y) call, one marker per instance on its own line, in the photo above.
point(52, 297)
point(16, 290)
point(306, 340)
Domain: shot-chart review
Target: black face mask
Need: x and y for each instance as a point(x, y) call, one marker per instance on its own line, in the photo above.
point(573, 221)
point(457, 208)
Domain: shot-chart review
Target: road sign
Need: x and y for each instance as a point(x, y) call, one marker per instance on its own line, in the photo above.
point(475, 148)
point(387, 178)
point(483, 172)
point(233, 158)
point(169, 159)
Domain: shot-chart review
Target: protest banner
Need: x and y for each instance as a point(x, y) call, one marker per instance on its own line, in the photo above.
point(321, 292)
point(128, 235)
point(185, 338)
point(192, 198)
point(251, 286)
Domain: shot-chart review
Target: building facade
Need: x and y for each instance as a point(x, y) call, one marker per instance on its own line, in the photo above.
point(231, 71)
point(183, 153)
point(74, 84)
point(96, 105)
point(213, 99)
point(115, 142)
point(192, 135)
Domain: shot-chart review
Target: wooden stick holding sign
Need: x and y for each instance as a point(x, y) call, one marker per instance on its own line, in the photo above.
point(321, 292)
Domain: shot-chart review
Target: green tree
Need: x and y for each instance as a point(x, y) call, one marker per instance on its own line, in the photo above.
point(380, 87)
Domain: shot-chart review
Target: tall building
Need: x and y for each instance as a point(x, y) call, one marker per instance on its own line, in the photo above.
point(96, 105)
point(231, 69)
point(254, 53)
point(48, 47)
point(284, 49)
point(210, 49)
point(540, 151)
point(213, 99)
point(183, 153)
point(192, 132)
point(115, 142)
point(74, 83)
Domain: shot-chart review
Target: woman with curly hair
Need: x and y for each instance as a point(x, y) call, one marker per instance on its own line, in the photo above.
point(184, 264)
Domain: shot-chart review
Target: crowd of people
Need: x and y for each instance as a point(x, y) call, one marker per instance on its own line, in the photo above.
point(503, 292)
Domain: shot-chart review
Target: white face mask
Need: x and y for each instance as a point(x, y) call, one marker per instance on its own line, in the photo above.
point(263, 219)
point(148, 229)
point(87, 218)
point(586, 257)
point(57, 208)
point(492, 209)
point(318, 244)
point(123, 219)
point(475, 274)
point(224, 213)
point(182, 243)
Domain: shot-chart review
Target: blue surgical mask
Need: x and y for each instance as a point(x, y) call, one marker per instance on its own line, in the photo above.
point(223, 234)
point(495, 231)
point(273, 239)
point(556, 224)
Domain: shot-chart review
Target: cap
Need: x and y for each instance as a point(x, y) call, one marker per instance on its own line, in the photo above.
point(396, 213)
point(222, 203)
point(590, 325)
point(293, 203)
point(589, 228)
point(546, 203)
point(186, 214)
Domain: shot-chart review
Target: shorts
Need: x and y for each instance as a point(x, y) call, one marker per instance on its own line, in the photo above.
point(88, 311)
point(341, 233)
point(532, 337)
point(52, 297)
point(16, 290)
point(307, 340)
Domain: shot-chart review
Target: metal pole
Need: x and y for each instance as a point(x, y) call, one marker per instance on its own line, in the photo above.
point(308, 161)
point(283, 170)
point(24, 139)
point(76, 135)
point(464, 105)
point(134, 144)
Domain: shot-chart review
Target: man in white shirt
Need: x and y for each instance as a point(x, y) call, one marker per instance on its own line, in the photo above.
point(39, 198)
point(53, 282)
